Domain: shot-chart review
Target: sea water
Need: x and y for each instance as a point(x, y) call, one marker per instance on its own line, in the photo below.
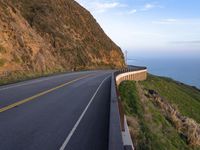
point(180, 69)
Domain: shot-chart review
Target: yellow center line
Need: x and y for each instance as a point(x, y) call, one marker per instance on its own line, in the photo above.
point(40, 94)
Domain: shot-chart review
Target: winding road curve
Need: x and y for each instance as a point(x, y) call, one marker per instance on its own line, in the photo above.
point(63, 112)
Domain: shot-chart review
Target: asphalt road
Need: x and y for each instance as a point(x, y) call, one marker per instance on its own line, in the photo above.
point(63, 112)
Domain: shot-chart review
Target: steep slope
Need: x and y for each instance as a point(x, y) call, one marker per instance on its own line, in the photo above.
point(47, 35)
point(21, 47)
point(162, 113)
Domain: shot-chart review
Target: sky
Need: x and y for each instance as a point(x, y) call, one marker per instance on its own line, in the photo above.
point(156, 28)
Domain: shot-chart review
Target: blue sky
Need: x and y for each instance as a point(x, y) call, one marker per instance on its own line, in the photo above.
point(168, 28)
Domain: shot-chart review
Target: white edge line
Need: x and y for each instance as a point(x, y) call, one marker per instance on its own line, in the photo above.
point(80, 118)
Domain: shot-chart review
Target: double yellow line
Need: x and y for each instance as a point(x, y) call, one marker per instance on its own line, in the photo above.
point(40, 94)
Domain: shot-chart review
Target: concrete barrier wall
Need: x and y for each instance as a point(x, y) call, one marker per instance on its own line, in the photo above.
point(115, 136)
point(119, 136)
point(139, 75)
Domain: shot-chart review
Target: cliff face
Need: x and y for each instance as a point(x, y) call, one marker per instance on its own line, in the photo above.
point(44, 35)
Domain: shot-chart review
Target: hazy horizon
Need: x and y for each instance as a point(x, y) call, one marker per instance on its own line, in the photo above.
point(162, 28)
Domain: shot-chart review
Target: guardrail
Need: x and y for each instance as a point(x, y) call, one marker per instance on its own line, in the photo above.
point(119, 136)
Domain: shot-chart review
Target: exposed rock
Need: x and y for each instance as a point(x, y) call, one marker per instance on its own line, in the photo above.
point(43, 35)
point(184, 125)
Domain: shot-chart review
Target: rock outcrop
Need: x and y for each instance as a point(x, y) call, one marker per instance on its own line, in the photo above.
point(49, 35)
point(186, 126)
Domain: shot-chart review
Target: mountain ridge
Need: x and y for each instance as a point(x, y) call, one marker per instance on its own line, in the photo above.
point(49, 35)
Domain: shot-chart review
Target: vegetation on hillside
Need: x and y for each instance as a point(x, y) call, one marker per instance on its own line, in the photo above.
point(149, 127)
point(184, 97)
point(2, 49)
point(20, 75)
point(49, 35)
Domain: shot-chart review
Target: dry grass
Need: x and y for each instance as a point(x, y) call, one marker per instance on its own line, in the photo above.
point(188, 127)
point(134, 128)
point(149, 129)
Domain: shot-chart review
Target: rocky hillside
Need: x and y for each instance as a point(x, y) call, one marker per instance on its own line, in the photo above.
point(49, 35)
point(163, 114)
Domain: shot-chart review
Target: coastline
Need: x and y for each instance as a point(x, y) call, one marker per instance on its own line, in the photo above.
point(183, 70)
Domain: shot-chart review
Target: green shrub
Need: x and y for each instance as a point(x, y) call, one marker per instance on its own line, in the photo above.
point(2, 49)
point(2, 62)
point(154, 132)
point(185, 97)
point(130, 98)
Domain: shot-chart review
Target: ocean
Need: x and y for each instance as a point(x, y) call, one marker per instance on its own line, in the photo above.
point(183, 70)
